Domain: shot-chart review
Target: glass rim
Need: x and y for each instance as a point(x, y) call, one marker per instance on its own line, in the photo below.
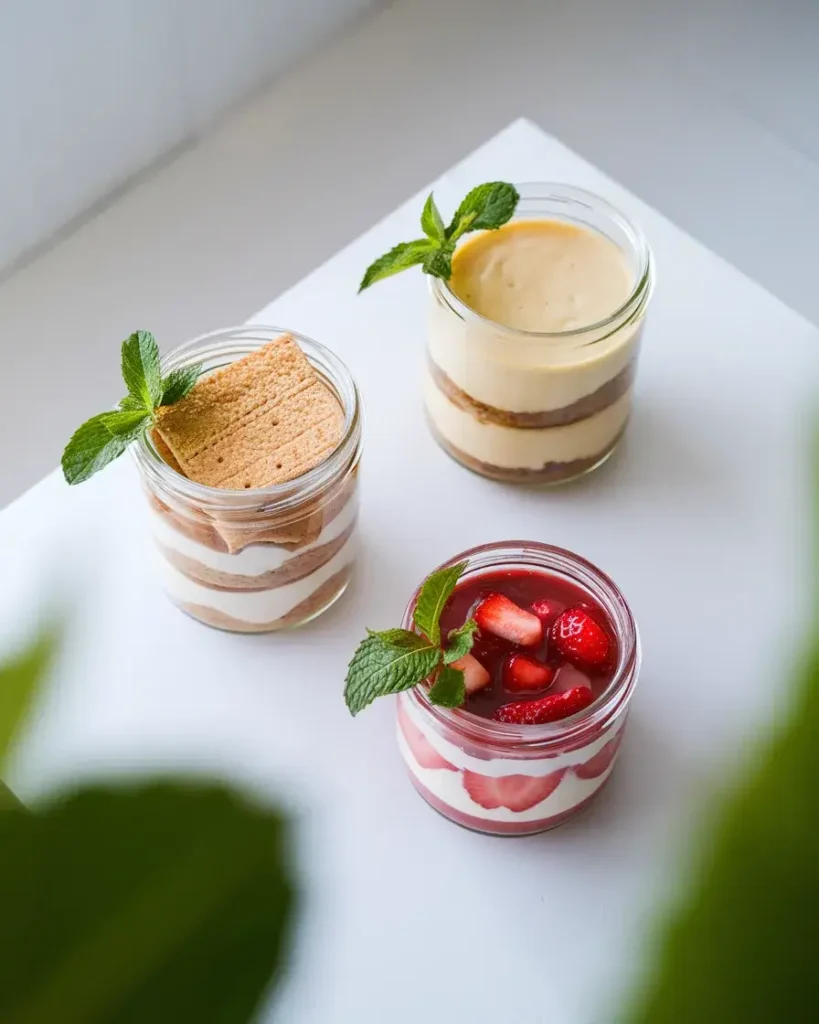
point(574, 729)
point(533, 191)
point(237, 342)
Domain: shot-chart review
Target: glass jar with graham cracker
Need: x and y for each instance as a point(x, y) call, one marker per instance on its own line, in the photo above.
point(252, 480)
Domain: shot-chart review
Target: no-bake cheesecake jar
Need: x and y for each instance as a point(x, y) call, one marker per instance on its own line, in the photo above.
point(516, 779)
point(257, 559)
point(533, 342)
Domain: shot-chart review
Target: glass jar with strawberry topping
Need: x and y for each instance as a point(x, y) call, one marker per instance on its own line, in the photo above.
point(554, 663)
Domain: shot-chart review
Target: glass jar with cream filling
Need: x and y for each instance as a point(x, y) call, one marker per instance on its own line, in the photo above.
point(533, 342)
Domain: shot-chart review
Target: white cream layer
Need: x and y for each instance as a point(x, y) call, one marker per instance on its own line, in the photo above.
point(260, 606)
point(525, 448)
point(251, 561)
point(449, 787)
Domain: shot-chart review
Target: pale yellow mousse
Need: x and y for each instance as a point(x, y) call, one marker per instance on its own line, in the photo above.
point(541, 275)
point(550, 403)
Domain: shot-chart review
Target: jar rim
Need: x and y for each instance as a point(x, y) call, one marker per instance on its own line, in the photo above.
point(575, 729)
point(237, 342)
point(534, 191)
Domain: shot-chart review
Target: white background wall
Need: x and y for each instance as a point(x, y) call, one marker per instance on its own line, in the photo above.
point(93, 91)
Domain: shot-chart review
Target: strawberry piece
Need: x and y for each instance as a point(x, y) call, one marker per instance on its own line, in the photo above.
point(516, 792)
point(523, 675)
point(475, 675)
point(498, 615)
point(595, 766)
point(543, 609)
point(422, 750)
point(578, 637)
point(547, 709)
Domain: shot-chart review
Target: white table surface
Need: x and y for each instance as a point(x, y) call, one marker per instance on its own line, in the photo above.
point(408, 918)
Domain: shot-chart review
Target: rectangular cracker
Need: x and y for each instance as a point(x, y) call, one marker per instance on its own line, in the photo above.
point(263, 420)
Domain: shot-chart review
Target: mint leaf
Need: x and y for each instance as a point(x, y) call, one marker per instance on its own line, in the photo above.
point(99, 441)
point(448, 690)
point(432, 223)
point(439, 263)
point(434, 594)
point(179, 383)
point(20, 679)
point(484, 208)
point(460, 641)
point(386, 663)
point(404, 255)
point(131, 404)
point(140, 368)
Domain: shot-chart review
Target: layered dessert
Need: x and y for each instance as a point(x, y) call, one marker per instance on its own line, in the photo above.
point(252, 482)
point(533, 344)
point(547, 685)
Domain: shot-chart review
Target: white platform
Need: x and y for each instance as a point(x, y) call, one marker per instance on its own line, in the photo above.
point(408, 918)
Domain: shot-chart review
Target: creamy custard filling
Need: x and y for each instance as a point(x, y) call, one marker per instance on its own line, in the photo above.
point(253, 606)
point(578, 410)
point(529, 449)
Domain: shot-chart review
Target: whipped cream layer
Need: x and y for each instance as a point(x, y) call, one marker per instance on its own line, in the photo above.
point(525, 448)
point(254, 560)
point(448, 786)
point(256, 607)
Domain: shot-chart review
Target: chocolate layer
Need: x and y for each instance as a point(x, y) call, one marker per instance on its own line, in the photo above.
point(551, 473)
point(587, 406)
point(295, 568)
point(314, 605)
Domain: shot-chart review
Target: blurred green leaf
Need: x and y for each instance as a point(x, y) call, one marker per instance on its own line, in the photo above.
point(148, 904)
point(20, 679)
point(743, 946)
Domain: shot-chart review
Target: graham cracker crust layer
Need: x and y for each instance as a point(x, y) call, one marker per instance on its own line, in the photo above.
point(579, 410)
point(295, 568)
point(551, 473)
point(308, 609)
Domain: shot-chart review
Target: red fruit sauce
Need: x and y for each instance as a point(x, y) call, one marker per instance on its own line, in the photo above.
point(525, 588)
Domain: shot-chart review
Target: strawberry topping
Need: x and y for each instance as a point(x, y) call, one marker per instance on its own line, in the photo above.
point(546, 709)
point(498, 615)
point(578, 637)
point(543, 609)
point(475, 675)
point(523, 675)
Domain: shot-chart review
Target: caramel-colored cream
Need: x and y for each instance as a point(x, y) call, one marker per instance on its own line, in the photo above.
point(541, 275)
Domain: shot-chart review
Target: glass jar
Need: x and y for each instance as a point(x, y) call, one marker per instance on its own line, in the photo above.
point(530, 407)
point(538, 776)
point(260, 559)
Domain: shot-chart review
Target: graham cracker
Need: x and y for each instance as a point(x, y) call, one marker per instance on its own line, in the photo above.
point(263, 420)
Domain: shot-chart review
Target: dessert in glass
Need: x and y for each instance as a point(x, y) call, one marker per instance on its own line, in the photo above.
point(534, 338)
point(548, 681)
point(252, 480)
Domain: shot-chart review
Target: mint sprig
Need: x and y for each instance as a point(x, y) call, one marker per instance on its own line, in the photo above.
point(397, 659)
point(485, 208)
point(105, 437)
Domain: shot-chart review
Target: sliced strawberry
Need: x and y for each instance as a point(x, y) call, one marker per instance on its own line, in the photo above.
point(523, 675)
point(498, 615)
point(578, 637)
point(595, 766)
point(543, 609)
point(547, 709)
point(516, 792)
point(422, 750)
point(475, 675)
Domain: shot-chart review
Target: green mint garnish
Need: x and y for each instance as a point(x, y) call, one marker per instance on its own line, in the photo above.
point(448, 689)
point(485, 208)
point(105, 437)
point(398, 659)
